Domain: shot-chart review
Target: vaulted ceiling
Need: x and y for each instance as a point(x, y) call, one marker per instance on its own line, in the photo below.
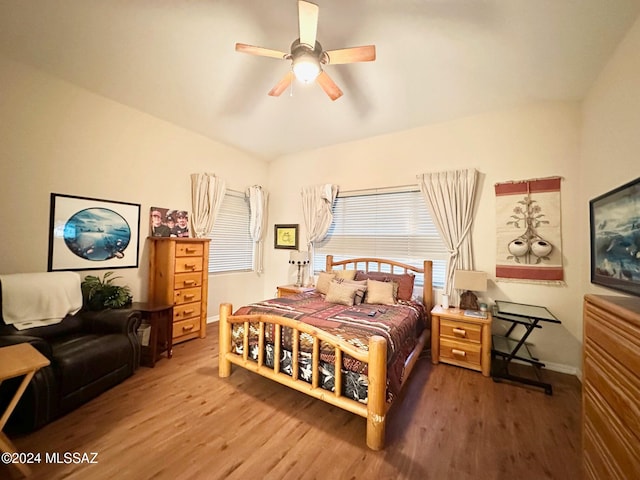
point(436, 60)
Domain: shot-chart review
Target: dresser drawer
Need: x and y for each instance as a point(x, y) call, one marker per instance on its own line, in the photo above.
point(187, 280)
point(182, 312)
point(187, 295)
point(460, 352)
point(460, 330)
point(189, 249)
point(185, 327)
point(188, 264)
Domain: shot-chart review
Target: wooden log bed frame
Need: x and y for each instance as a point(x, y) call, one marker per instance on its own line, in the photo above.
point(375, 411)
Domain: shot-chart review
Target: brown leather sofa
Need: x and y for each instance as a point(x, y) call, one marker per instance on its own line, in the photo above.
point(90, 352)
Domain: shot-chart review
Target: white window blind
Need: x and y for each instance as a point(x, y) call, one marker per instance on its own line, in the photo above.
point(395, 225)
point(231, 246)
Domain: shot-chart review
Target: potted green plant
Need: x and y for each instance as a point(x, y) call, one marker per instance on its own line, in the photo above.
point(100, 293)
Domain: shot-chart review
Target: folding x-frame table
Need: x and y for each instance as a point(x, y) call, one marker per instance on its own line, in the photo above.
point(507, 348)
point(15, 361)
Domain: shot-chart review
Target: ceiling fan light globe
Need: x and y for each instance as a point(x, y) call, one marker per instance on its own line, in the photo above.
point(306, 69)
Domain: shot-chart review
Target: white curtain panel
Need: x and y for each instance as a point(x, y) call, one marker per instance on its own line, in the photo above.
point(207, 193)
point(258, 199)
point(317, 204)
point(450, 197)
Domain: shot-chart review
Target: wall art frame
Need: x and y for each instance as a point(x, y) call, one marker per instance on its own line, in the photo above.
point(614, 224)
point(92, 234)
point(286, 236)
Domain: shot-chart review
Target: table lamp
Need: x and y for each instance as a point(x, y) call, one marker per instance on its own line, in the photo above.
point(470, 281)
point(301, 259)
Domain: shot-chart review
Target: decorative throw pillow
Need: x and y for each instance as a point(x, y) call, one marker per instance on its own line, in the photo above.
point(361, 289)
point(345, 274)
point(340, 293)
point(379, 292)
point(404, 280)
point(324, 279)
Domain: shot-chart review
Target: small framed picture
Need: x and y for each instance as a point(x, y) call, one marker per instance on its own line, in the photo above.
point(286, 236)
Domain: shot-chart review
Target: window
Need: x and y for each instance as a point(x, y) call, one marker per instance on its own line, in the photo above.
point(231, 246)
point(392, 224)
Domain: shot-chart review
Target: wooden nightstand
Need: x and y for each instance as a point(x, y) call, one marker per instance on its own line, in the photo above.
point(461, 340)
point(288, 290)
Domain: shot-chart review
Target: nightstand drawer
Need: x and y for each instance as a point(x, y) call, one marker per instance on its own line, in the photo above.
point(460, 330)
point(460, 351)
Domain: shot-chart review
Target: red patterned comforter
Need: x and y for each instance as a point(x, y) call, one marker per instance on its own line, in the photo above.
point(399, 324)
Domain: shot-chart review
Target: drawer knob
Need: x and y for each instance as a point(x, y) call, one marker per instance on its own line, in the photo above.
point(186, 328)
point(189, 296)
point(458, 353)
point(190, 266)
point(461, 332)
point(190, 250)
point(189, 282)
point(187, 312)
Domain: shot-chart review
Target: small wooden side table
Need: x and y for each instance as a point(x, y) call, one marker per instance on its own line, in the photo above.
point(160, 317)
point(17, 360)
point(289, 290)
point(461, 340)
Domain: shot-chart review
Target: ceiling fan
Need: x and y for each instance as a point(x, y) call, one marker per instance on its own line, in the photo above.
point(307, 55)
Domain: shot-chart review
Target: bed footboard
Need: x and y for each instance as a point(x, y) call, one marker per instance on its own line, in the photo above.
point(376, 408)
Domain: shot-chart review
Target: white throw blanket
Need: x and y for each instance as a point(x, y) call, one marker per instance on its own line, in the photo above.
point(36, 299)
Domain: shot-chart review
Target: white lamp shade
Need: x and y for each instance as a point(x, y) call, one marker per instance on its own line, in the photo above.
point(298, 258)
point(470, 280)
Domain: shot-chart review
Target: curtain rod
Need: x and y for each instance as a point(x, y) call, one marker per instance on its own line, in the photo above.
point(369, 191)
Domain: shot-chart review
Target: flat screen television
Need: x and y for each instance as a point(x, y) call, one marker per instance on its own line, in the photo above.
point(614, 219)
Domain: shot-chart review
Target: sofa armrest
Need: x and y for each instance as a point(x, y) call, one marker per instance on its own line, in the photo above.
point(39, 343)
point(112, 321)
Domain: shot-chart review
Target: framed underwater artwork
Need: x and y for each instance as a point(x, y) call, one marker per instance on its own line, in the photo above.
point(92, 234)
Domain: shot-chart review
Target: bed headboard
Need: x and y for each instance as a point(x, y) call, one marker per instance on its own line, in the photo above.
point(389, 266)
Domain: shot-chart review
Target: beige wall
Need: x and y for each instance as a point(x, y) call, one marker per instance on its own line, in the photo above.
point(58, 138)
point(539, 140)
point(610, 136)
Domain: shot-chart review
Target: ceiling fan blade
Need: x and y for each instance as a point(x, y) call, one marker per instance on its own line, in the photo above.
point(308, 22)
point(282, 85)
point(365, 53)
point(263, 52)
point(329, 86)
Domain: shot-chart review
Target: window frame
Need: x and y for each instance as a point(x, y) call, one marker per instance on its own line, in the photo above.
point(232, 236)
point(421, 238)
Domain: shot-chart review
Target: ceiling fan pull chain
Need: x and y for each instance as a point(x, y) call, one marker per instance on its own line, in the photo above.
point(291, 87)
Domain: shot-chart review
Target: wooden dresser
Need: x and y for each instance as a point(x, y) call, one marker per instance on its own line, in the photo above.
point(178, 276)
point(611, 387)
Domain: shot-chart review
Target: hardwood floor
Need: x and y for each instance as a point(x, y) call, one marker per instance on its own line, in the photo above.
point(180, 421)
